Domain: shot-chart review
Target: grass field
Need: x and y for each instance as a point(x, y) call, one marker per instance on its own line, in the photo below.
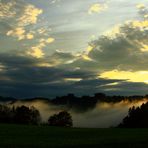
point(20, 136)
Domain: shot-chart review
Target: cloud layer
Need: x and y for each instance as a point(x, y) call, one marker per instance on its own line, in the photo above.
point(28, 70)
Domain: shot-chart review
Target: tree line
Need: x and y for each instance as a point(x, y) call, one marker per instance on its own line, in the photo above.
point(31, 116)
point(137, 117)
point(85, 103)
point(19, 115)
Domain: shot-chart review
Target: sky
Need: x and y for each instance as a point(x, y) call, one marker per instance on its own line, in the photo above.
point(51, 48)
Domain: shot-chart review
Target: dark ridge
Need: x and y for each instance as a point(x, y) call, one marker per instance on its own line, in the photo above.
point(83, 103)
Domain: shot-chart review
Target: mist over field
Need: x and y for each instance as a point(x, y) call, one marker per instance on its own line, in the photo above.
point(103, 115)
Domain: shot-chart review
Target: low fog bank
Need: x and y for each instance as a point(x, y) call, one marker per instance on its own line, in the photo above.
point(105, 114)
point(102, 116)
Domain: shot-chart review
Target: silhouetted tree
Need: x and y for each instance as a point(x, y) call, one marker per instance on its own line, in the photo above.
point(20, 115)
point(26, 115)
point(63, 118)
point(100, 96)
point(6, 114)
point(35, 116)
point(136, 118)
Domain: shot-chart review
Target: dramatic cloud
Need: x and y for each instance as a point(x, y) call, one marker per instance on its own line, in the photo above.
point(143, 11)
point(20, 15)
point(7, 10)
point(29, 16)
point(140, 76)
point(44, 49)
point(124, 49)
point(37, 50)
point(97, 8)
point(17, 32)
point(29, 36)
point(20, 33)
point(40, 77)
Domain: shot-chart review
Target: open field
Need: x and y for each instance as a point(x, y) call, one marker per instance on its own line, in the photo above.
point(21, 136)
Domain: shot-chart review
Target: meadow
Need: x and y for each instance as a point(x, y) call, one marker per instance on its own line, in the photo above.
point(25, 136)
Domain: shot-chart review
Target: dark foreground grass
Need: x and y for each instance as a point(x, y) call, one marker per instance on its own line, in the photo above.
point(20, 136)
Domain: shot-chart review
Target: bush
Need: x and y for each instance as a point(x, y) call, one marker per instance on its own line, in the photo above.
point(63, 118)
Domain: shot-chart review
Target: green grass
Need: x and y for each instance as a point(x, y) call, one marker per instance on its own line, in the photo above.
point(20, 136)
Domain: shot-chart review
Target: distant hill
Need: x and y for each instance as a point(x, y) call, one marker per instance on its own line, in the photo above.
point(7, 99)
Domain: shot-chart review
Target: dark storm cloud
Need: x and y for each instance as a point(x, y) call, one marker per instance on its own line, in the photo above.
point(22, 68)
point(126, 88)
point(60, 57)
point(21, 77)
point(125, 50)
